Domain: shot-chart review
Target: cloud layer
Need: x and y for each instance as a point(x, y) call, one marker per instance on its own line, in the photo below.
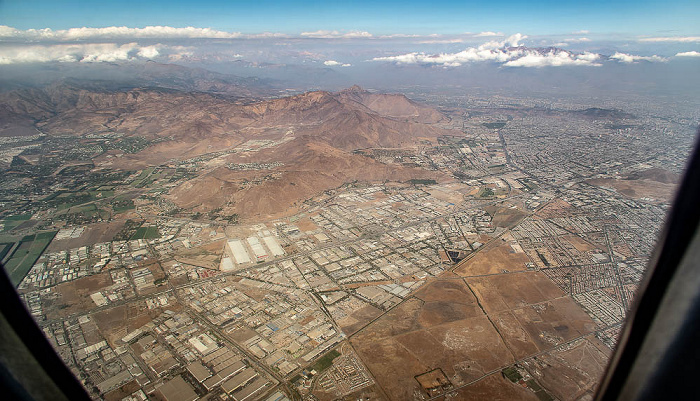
point(628, 58)
point(87, 53)
point(553, 58)
point(509, 52)
point(322, 34)
point(333, 63)
point(116, 44)
point(680, 39)
point(115, 32)
point(692, 53)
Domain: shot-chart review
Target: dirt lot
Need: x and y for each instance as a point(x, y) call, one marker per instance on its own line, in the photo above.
point(207, 256)
point(573, 372)
point(121, 392)
point(372, 392)
point(74, 296)
point(505, 214)
point(442, 327)
point(358, 319)
point(554, 322)
point(508, 291)
point(638, 188)
point(494, 388)
point(115, 323)
point(555, 208)
point(579, 243)
point(495, 258)
point(452, 193)
point(306, 224)
point(445, 325)
point(93, 234)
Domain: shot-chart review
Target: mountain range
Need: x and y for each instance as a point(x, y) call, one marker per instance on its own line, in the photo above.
point(309, 138)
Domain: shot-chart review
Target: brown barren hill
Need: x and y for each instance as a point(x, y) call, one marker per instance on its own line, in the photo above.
point(310, 138)
point(308, 168)
point(392, 105)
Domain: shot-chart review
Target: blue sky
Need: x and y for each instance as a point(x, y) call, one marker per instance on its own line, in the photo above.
point(339, 35)
point(536, 17)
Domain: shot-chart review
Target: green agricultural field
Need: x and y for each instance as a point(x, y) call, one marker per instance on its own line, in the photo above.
point(10, 222)
point(417, 181)
point(19, 217)
point(140, 181)
point(496, 125)
point(512, 374)
point(485, 192)
point(5, 248)
point(120, 206)
point(29, 250)
point(83, 214)
point(325, 361)
point(146, 233)
point(101, 194)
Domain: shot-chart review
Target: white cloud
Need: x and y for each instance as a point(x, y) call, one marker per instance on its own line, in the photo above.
point(514, 40)
point(109, 54)
point(266, 35)
point(88, 52)
point(629, 58)
point(577, 40)
point(333, 63)
point(114, 32)
point(450, 59)
point(149, 52)
point(692, 53)
point(509, 52)
point(510, 41)
point(509, 55)
point(441, 41)
point(672, 39)
point(554, 59)
point(488, 33)
point(581, 32)
point(399, 35)
point(323, 34)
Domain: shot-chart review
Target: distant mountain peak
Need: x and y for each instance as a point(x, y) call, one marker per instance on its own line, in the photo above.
point(354, 89)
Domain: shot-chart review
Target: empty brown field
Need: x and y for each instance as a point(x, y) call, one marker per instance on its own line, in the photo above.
point(453, 193)
point(505, 215)
point(509, 291)
point(372, 392)
point(494, 388)
point(305, 224)
point(74, 296)
point(638, 188)
point(115, 323)
point(93, 234)
point(207, 256)
point(471, 328)
point(122, 391)
point(495, 258)
point(531, 313)
point(358, 319)
point(580, 244)
point(571, 372)
point(442, 327)
point(553, 209)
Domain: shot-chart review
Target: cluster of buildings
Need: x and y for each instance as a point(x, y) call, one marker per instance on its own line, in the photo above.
point(275, 298)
